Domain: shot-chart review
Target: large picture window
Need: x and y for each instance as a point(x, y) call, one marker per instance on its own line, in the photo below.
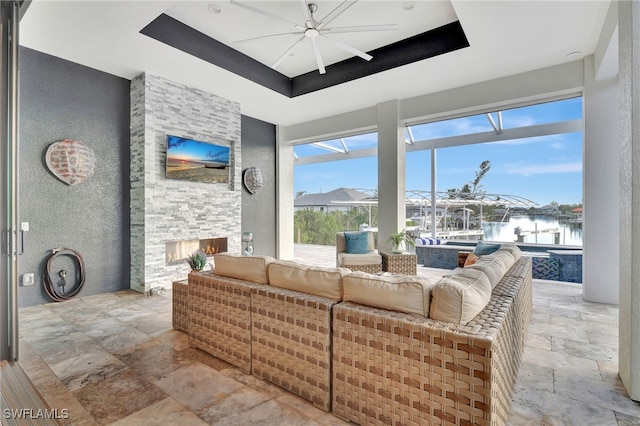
point(511, 175)
point(508, 175)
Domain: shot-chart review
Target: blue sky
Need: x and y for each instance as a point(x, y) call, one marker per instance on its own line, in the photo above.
point(542, 169)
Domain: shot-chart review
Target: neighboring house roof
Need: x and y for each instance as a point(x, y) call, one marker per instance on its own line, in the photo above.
point(328, 198)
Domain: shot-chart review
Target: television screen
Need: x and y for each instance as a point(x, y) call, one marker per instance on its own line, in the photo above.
point(196, 161)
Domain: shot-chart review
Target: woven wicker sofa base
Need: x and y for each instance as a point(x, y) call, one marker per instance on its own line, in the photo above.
point(402, 369)
point(368, 365)
point(291, 336)
point(220, 317)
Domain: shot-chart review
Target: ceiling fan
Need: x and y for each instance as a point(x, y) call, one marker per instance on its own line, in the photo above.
point(316, 29)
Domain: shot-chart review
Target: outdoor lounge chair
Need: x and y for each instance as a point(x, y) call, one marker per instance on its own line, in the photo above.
point(367, 260)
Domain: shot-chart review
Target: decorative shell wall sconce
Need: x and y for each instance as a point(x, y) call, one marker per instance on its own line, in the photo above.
point(253, 180)
point(71, 161)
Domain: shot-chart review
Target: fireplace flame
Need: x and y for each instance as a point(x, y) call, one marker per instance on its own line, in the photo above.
point(177, 251)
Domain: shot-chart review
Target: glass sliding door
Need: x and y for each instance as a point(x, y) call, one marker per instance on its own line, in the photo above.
point(9, 45)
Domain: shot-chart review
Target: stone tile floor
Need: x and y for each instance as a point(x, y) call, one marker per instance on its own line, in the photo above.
point(113, 359)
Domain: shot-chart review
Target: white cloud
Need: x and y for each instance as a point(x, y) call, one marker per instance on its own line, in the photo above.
point(458, 126)
point(518, 121)
point(528, 170)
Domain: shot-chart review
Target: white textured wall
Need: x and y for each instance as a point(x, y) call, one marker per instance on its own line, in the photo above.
point(284, 197)
point(629, 207)
point(170, 210)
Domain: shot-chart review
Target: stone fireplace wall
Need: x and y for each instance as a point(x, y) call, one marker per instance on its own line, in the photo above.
point(170, 210)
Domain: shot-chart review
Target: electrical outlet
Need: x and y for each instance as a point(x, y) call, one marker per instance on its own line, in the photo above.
point(24, 226)
point(28, 279)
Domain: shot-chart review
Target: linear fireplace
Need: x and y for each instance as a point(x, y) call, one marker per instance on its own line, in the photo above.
point(177, 251)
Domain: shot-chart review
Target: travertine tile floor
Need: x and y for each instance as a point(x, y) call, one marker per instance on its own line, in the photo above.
point(114, 359)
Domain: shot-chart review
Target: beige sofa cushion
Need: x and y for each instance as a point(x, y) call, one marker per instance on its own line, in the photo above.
point(409, 294)
point(324, 282)
point(494, 265)
point(359, 259)
point(250, 268)
point(457, 298)
point(513, 249)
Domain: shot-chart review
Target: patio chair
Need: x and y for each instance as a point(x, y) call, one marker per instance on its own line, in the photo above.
point(353, 253)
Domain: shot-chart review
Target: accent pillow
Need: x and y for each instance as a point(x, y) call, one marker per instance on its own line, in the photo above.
point(471, 259)
point(357, 242)
point(401, 293)
point(484, 248)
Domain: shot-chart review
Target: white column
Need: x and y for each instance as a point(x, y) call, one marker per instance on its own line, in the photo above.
point(601, 245)
point(391, 172)
point(284, 195)
point(629, 134)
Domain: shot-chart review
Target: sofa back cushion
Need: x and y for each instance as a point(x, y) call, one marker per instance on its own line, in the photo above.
point(494, 266)
point(513, 249)
point(409, 294)
point(324, 282)
point(460, 296)
point(249, 268)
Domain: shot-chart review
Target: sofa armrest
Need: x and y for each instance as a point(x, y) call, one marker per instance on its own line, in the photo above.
point(341, 243)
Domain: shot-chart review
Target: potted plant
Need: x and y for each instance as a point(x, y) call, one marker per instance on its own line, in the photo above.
point(197, 260)
point(400, 241)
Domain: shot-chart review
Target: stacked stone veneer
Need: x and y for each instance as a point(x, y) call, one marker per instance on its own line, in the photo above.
point(171, 210)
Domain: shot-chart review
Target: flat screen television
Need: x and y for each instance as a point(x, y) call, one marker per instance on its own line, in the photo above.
point(197, 161)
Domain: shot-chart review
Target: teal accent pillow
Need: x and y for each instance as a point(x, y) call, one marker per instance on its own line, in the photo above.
point(484, 248)
point(357, 242)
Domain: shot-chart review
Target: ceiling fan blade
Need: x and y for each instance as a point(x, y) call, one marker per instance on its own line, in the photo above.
point(289, 51)
point(359, 28)
point(342, 7)
point(316, 51)
point(266, 36)
point(346, 47)
point(265, 13)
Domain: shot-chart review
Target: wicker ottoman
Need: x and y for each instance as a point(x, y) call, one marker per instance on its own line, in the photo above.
point(399, 263)
point(370, 269)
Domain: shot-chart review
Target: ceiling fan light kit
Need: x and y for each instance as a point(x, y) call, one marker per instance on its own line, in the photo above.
point(315, 30)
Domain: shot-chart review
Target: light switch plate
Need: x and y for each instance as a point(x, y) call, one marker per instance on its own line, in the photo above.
point(28, 279)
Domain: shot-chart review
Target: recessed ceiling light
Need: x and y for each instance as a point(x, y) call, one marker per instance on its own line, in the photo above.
point(408, 5)
point(574, 55)
point(214, 8)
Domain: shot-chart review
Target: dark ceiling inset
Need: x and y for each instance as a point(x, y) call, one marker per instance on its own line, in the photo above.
point(176, 34)
point(172, 32)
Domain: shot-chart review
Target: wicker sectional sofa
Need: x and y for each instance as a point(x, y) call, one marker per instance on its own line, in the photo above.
point(348, 350)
